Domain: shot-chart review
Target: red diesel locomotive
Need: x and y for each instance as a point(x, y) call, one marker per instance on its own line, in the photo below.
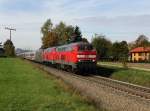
point(79, 56)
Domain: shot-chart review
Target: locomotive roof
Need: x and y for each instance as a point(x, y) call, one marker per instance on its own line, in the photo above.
point(66, 45)
point(76, 43)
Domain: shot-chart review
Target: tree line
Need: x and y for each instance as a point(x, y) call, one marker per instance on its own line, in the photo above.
point(53, 35)
point(117, 51)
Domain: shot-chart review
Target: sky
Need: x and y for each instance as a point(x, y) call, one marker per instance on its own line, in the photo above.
point(116, 19)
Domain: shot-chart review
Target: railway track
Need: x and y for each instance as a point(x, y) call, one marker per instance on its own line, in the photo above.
point(127, 88)
point(130, 89)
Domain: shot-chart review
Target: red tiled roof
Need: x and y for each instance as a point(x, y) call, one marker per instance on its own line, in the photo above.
point(140, 49)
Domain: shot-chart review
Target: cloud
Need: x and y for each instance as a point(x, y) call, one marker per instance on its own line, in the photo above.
point(138, 21)
point(115, 18)
point(116, 27)
point(21, 5)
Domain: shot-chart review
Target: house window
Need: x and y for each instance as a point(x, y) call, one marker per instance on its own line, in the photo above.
point(134, 54)
point(140, 54)
point(140, 59)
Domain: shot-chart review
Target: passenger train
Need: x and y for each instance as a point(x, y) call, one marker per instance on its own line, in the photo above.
point(78, 56)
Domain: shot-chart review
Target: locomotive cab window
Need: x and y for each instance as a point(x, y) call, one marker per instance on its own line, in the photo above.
point(83, 47)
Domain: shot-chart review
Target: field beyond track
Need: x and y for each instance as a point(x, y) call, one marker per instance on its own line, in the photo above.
point(26, 88)
point(132, 75)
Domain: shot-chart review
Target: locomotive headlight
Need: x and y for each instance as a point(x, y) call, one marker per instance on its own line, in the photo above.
point(93, 60)
point(92, 56)
point(80, 56)
point(86, 56)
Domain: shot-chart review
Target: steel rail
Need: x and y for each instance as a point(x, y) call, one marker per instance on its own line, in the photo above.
point(136, 90)
point(128, 88)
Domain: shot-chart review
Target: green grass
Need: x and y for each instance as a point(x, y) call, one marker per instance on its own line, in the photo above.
point(134, 76)
point(26, 88)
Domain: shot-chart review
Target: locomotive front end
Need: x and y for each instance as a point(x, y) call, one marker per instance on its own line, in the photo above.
point(86, 58)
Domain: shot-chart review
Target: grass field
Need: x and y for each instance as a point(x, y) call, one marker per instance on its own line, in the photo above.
point(139, 66)
point(26, 88)
point(127, 75)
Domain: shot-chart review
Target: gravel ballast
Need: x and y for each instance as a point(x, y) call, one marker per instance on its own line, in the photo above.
point(100, 95)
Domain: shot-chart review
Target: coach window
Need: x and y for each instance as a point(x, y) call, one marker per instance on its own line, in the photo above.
point(63, 48)
point(58, 49)
point(68, 48)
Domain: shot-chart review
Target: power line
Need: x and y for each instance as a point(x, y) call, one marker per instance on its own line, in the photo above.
point(10, 29)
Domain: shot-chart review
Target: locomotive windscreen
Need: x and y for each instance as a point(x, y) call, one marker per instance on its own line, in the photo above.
point(83, 47)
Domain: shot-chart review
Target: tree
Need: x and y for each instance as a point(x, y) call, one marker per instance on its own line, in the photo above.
point(69, 32)
point(102, 46)
point(59, 34)
point(9, 48)
point(64, 32)
point(141, 41)
point(77, 31)
point(85, 40)
point(124, 49)
point(50, 40)
point(131, 45)
point(76, 37)
point(60, 30)
point(45, 29)
point(120, 50)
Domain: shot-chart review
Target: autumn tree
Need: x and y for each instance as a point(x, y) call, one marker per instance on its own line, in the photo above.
point(45, 30)
point(47, 27)
point(60, 30)
point(51, 39)
point(9, 48)
point(64, 32)
point(69, 32)
point(58, 34)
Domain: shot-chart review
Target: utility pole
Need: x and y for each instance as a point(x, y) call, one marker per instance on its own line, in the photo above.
point(10, 29)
